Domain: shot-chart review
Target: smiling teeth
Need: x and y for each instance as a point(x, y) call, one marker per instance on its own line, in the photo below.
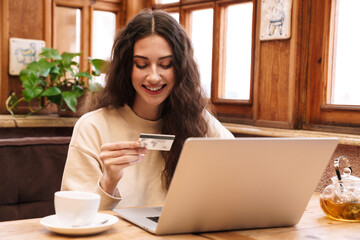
point(153, 89)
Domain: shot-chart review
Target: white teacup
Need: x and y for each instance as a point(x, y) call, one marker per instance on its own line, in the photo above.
point(75, 208)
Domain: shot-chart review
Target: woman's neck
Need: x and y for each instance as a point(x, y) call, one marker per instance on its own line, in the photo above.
point(147, 112)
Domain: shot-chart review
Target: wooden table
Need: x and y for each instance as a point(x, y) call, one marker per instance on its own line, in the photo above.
point(313, 225)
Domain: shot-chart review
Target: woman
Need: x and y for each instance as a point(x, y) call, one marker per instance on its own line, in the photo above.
point(153, 86)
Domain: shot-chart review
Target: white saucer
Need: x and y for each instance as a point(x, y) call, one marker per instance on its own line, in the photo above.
point(51, 223)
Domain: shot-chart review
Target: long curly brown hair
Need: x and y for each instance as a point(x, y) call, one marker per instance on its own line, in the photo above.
point(183, 111)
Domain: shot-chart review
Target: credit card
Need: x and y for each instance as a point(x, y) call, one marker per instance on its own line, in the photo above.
point(160, 142)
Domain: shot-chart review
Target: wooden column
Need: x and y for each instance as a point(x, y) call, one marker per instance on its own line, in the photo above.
point(134, 7)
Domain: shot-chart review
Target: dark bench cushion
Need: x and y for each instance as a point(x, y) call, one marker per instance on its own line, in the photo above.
point(30, 173)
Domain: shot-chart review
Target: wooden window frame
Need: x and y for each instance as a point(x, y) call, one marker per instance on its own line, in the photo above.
point(319, 113)
point(87, 7)
point(229, 108)
point(226, 109)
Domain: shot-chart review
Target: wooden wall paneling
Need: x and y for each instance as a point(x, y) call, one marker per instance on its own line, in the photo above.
point(134, 7)
point(296, 45)
point(305, 16)
point(1, 47)
point(25, 19)
point(72, 3)
point(48, 22)
point(277, 69)
point(256, 61)
point(218, 49)
point(315, 61)
point(293, 66)
point(85, 37)
point(273, 82)
point(4, 50)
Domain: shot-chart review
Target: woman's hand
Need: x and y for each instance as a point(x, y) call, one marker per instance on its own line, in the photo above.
point(116, 157)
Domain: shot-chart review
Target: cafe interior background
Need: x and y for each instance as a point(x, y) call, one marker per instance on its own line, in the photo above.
point(270, 68)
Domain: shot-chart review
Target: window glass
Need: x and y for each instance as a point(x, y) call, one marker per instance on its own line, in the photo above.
point(202, 34)
point(175, 15)
point(67, 29)
point(238, 51)
point(346, 82)
point(103, 33)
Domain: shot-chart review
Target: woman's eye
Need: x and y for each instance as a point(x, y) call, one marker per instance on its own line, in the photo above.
point(141, 66)
point(166, 66)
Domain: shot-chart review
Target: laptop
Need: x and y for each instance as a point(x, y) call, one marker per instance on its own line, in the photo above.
point(241, 183)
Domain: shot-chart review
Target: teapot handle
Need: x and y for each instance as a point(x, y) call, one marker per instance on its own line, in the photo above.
point(337, 164)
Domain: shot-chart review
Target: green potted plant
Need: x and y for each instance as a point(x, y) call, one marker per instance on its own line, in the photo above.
point(55, 79)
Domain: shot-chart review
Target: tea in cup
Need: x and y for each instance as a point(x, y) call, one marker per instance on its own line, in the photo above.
point(76, 208)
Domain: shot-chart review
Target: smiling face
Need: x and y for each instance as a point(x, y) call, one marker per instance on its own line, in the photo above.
point(152, 75)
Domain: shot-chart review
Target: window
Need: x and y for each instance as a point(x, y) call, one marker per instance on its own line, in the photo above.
point(103, 33)
point(332, 87)
point(223, 49)
point(201, 34)
point(345, 84)
point(86, 26)
point(67, 23)
point(238, 52)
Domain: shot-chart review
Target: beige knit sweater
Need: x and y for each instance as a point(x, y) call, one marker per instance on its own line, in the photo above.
point(141, 183)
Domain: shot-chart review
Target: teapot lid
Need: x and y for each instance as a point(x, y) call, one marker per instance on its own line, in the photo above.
point(346, 177)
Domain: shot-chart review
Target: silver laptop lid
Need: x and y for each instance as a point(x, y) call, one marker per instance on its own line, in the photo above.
point(224, 184)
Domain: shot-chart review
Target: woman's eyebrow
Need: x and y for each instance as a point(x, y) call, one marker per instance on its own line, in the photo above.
point(142, 57)
point(168, 56)
point(137, 56)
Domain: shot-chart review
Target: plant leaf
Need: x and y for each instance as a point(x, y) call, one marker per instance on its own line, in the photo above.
point(83, 74)
point(68, 57)
point(44, 67)
point(53, 91)
point(69, 69)
point(31, 81)
point(77, 90)
point(70, 100)
point(24, 74)
point(50, 53)
point(100, 66)
point(54, 73)
point(55, 99)
point(30, 93)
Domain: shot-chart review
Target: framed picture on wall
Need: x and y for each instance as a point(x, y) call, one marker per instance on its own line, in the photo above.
point(22, 52)
point(275, 19)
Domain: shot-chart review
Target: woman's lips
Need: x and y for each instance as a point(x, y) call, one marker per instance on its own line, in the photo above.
point(154, 89)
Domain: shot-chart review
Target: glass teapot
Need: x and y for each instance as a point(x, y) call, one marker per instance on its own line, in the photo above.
point(341, 199)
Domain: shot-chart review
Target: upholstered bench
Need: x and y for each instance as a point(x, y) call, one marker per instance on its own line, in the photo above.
point(30, 173)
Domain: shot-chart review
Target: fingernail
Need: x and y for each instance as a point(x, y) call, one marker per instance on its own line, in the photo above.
point(141, 156)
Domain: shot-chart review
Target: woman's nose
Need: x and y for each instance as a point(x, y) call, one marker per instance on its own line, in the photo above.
point(154, 75)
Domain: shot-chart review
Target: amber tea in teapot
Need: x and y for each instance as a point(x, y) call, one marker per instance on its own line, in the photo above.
point(341, 199)
point(342, 211)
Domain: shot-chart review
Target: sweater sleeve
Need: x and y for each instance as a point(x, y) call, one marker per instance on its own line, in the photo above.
point(82, 173)
point(83, 168)
point(215, 128)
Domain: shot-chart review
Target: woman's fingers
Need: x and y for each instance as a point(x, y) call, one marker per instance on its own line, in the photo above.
point(123, 160)
point(121, 153)
point(120, 145)
point(116, 157)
